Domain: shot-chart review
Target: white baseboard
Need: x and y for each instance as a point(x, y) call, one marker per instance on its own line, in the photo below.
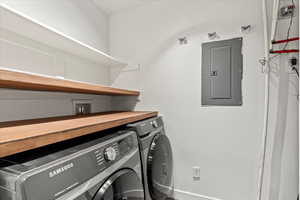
point(184, 195)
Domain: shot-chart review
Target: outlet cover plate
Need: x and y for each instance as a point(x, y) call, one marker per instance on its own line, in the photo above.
point(196, 173)
point(82, 106)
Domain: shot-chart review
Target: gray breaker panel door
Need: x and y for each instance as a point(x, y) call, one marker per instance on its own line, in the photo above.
point(222, 68)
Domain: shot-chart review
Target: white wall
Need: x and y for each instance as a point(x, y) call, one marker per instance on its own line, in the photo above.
point(224, 141)
point(19, 105)
point(78, 19)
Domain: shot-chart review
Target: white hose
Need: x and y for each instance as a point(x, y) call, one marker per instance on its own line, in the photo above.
point(274, 21)
point(266, 102)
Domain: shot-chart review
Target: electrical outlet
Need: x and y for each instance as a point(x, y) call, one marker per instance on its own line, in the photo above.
point(82, 107)
point(196, 173)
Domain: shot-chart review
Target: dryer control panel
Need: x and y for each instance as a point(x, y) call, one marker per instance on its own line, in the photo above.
point(147, 126)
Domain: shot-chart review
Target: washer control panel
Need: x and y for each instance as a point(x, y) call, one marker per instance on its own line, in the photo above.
point(154, 124)
point(109, 154)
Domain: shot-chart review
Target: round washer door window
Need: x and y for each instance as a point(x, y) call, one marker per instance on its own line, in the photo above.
point(160, 168)
point(123, 185)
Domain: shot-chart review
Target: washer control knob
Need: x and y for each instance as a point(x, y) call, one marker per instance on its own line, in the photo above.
point(110, 154)
point(154, 124)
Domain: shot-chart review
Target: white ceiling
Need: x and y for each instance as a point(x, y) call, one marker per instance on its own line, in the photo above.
point(112, 6)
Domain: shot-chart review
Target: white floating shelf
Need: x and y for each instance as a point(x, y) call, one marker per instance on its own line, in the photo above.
point(17, 22)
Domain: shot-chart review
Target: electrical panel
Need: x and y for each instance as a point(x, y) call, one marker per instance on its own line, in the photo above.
point(222, 68)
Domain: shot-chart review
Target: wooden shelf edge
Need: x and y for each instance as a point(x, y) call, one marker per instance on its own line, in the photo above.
point(29, 81)
point(15, 137)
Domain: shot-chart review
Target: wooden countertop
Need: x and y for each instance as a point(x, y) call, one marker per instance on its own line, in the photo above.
point(20, 136)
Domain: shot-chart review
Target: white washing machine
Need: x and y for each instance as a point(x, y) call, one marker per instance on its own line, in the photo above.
point(93, 168)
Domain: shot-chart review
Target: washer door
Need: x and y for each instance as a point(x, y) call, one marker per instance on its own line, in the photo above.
point(123, 185)
point(160, 168)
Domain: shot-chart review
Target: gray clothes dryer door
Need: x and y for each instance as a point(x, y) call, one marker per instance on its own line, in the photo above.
point(157, 159)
